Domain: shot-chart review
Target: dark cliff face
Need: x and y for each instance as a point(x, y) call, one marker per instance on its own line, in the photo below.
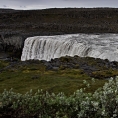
point(17, 25)
point(11, 44)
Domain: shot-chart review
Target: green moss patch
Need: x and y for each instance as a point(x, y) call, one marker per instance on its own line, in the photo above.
point(25, 76)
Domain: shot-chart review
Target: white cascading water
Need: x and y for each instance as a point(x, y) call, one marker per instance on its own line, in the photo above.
point(104, 46)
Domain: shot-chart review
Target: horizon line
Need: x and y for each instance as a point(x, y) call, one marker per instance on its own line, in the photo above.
point(60, 8)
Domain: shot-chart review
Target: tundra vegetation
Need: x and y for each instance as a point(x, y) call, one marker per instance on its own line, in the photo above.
point(103, 103)
point(62, 92)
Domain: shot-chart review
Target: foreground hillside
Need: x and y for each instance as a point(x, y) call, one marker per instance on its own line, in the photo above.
point(17, 25)
point(58, 75)
point(85, 102)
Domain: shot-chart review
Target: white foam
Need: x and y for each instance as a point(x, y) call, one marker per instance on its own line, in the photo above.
point(104, 46)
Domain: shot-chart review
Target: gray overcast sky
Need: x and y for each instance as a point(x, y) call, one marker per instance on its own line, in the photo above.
point(42, 4)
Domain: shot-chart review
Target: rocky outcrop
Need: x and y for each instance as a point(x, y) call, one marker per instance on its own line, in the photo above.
point(11, 44)
point(94, 67)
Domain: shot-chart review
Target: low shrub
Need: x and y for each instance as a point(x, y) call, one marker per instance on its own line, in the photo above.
point(103, 103)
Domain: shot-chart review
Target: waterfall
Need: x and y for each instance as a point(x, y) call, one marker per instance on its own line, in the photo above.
point(104, 46)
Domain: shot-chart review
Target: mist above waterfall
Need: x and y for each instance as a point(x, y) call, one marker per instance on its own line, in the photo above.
point(104, 46)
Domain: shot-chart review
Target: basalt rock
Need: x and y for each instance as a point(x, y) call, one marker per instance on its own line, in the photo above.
point(11, 44)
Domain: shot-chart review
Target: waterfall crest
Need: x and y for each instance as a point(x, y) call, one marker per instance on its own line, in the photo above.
point(104, 46)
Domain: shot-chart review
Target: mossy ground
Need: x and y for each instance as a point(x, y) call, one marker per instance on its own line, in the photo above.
point(34, 76)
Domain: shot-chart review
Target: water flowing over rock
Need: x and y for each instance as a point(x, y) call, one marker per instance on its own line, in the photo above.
point(104, 46)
